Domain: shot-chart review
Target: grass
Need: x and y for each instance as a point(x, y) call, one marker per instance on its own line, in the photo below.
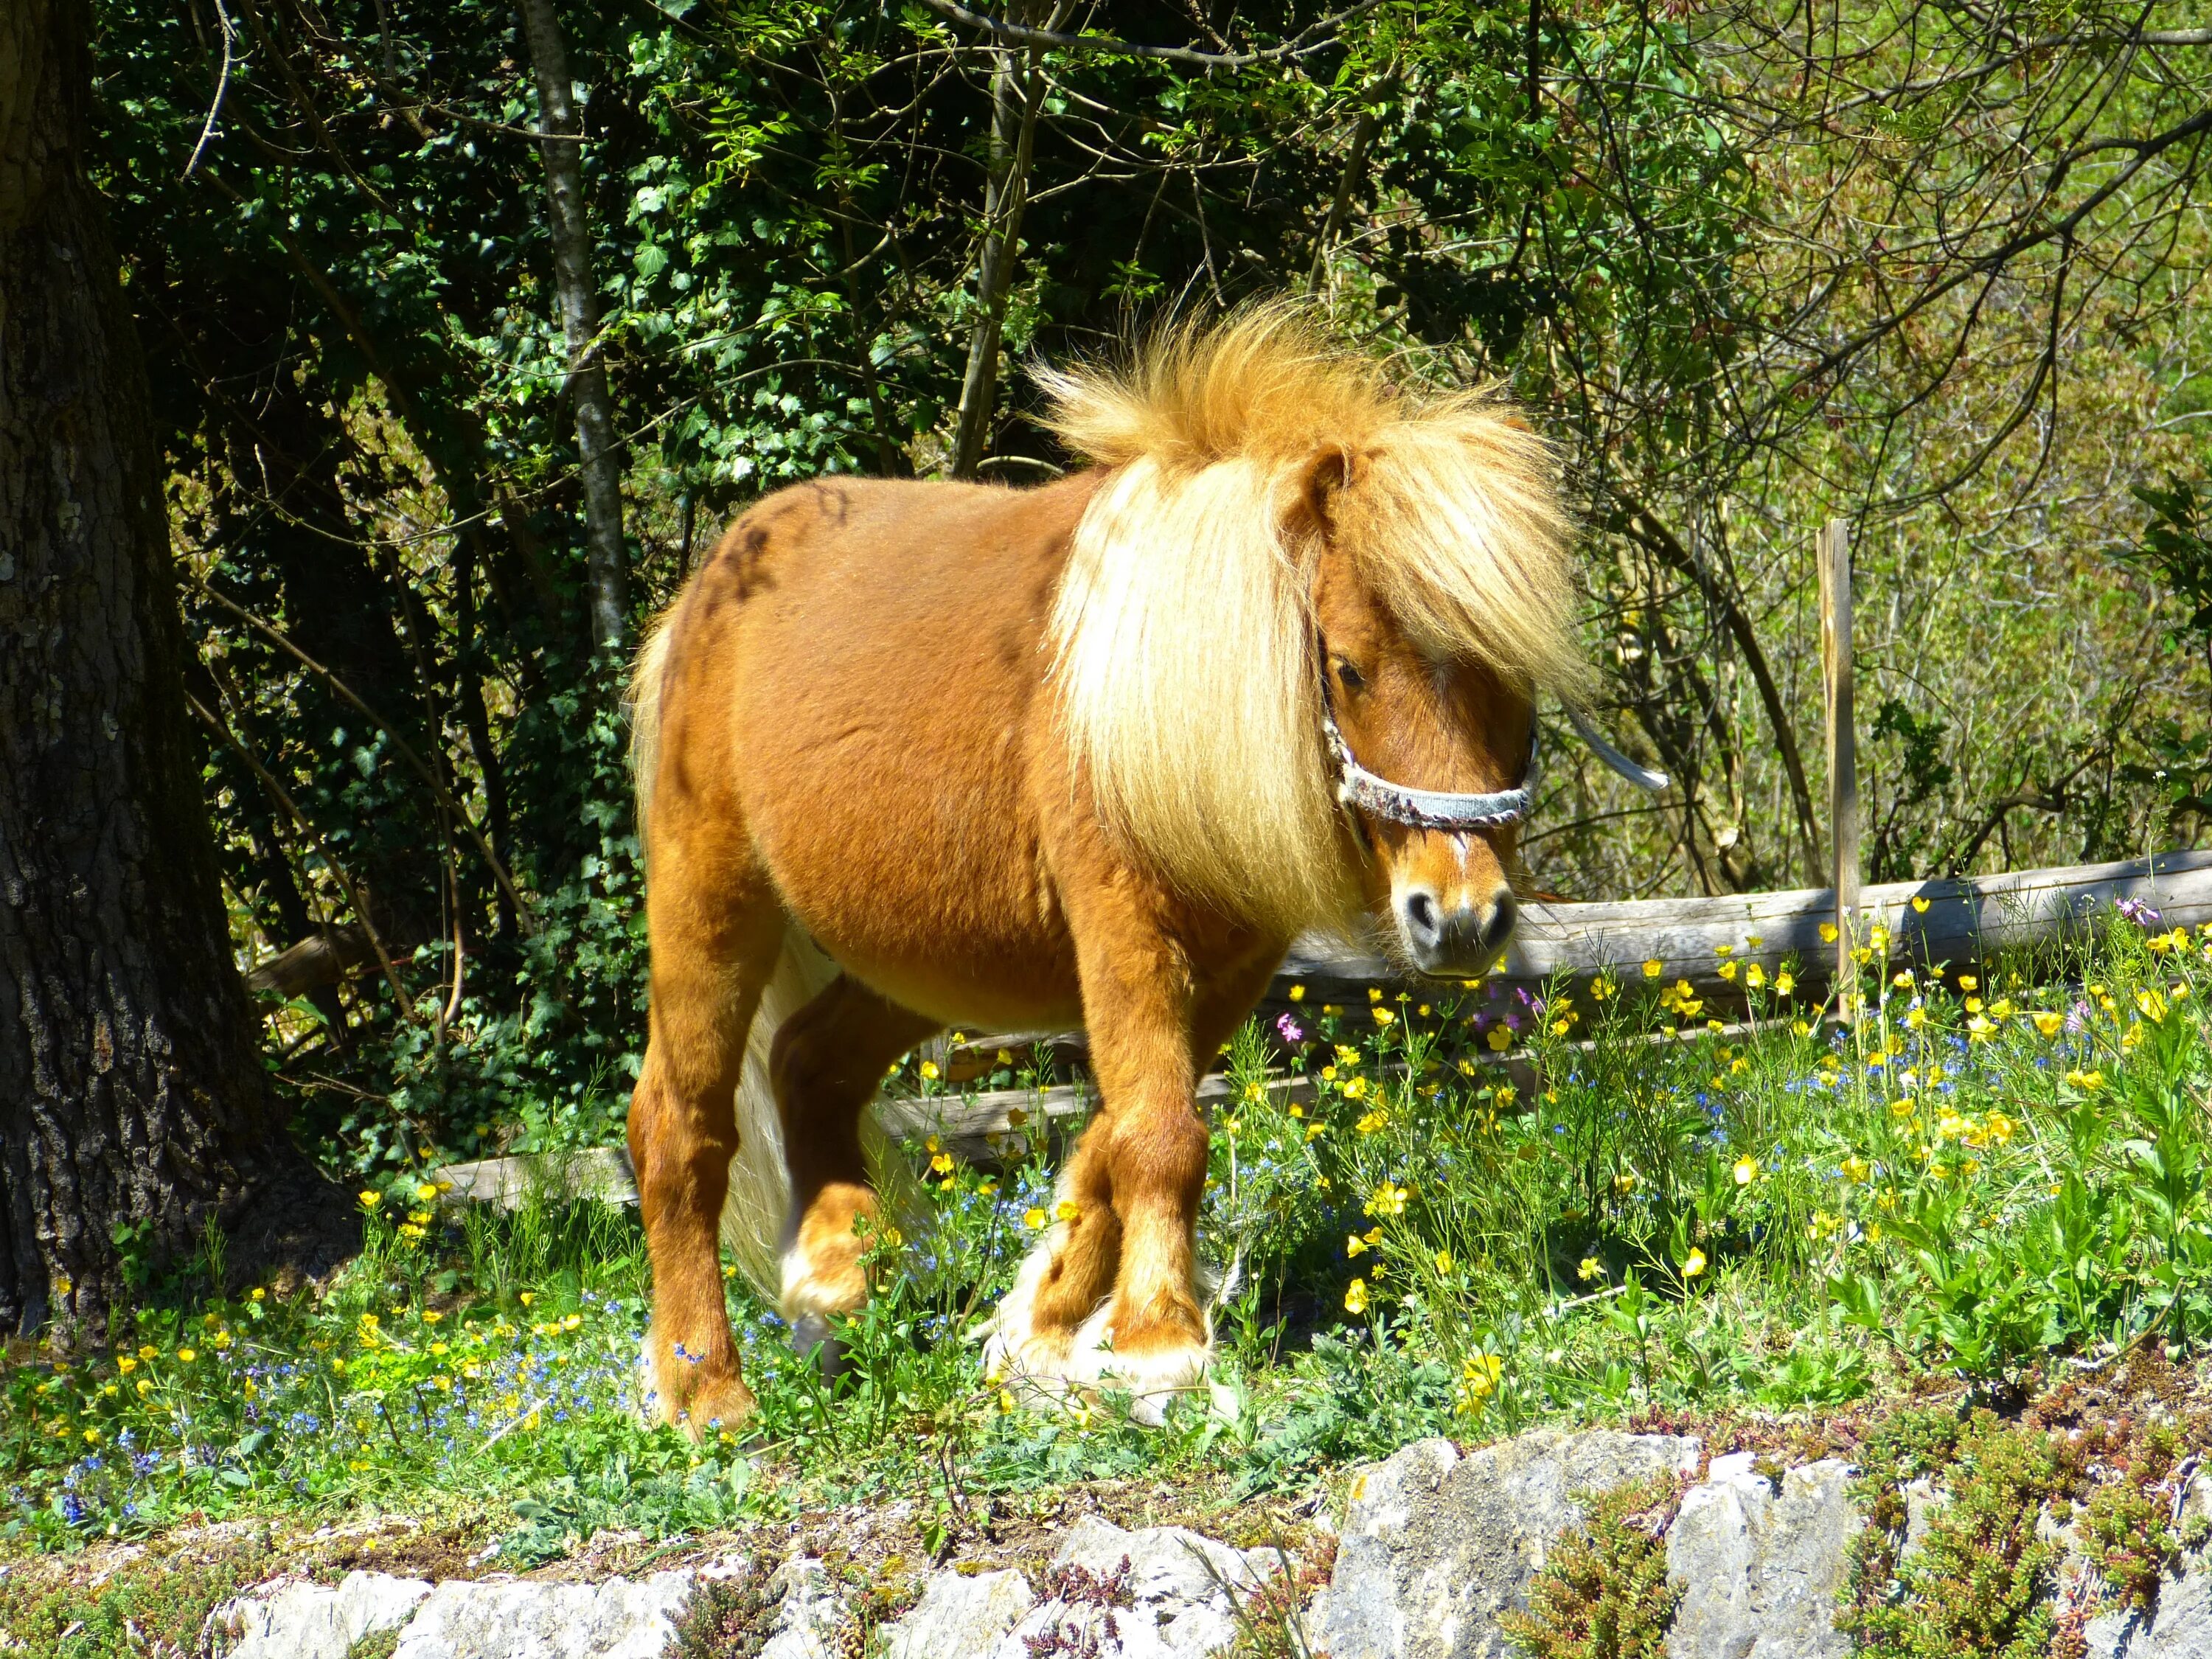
point(1984, 1174)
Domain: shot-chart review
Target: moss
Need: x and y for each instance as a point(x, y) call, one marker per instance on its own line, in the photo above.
point(1602, 1593)
point(1980, 1583)
point(158, 1603)
point(378, 1644)
point(727, 1618)
point(2127, 1527)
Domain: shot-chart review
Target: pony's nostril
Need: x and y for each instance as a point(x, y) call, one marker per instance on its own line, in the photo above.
point(1503, 915)
point(1423, 920)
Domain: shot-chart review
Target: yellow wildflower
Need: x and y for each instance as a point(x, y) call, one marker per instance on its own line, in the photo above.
point(1695, 1264)
point(1355, 1297)
point(1746, 1170)
point(1654, 967)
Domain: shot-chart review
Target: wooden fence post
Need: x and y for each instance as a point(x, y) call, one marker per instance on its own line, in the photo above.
point(1835, 562)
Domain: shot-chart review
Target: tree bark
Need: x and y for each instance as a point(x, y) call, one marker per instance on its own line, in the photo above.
point(1017, 95)
point(131, 1090)
point(560, 137)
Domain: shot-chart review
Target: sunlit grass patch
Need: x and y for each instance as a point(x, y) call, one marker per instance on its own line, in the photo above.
point(1480, 1211)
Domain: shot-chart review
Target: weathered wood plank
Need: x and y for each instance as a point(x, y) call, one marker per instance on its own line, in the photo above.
point(1966, 920)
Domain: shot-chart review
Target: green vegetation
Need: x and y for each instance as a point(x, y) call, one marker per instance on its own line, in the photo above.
point(1679, 237)
point(1980, 1178)
point(1602, 1593)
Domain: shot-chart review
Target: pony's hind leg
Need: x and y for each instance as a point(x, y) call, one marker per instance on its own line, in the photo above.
point(717, 928)
point(827, 1061)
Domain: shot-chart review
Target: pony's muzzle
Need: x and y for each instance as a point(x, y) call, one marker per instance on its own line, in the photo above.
point(1460, 940)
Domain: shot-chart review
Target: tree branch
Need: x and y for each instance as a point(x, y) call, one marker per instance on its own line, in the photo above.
point(1638, 522)
point(1312, 39)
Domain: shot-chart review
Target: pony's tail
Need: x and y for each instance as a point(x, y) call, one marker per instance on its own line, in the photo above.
point(756, 1223)
point(644, 705)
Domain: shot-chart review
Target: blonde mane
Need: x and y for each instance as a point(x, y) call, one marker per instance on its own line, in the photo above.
point(1180, 637)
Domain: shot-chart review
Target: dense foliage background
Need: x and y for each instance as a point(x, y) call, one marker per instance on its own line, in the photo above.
point(1935, 270)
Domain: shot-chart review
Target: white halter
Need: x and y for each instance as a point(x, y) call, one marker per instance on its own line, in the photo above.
point(1452, 813)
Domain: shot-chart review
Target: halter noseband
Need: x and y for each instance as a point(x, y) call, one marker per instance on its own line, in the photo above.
point(1441, 810)
point(1421, 809)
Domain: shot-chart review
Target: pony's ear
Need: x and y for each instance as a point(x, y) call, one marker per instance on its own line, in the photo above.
point(1333, 468)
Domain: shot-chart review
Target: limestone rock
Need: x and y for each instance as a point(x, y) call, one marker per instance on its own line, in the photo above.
point(2177, 1626)
point(959, 1616)
point(1762, 1573)
point(1435, 1546)
point(516, 1619)
point(807, 1612)
point(313, 1621)
point(1158, 1593)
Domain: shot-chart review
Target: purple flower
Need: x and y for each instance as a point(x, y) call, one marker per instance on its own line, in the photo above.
point(2137, 911)
point(1292, 1031)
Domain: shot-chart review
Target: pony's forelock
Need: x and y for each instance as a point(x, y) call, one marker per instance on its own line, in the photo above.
point(1182, 654)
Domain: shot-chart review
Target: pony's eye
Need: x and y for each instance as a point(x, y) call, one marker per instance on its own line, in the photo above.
point(1347, 675)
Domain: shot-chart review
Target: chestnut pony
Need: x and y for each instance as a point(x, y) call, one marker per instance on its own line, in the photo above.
point(911, 754)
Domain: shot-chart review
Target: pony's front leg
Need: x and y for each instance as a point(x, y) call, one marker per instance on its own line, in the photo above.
point(1112, 1290)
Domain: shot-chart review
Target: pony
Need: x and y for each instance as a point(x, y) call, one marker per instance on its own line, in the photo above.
point(912, 754)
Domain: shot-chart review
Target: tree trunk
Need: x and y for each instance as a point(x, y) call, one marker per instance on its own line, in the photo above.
point(1017, 95)
point(131, 1092)
point(560, 140)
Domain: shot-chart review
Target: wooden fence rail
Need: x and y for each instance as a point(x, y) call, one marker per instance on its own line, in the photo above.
point(1964, 921)
point(1954, 922)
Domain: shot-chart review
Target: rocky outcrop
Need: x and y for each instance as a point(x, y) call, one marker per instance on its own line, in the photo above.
point(1761, 1564)
point(315, 1621)
point(1160, 1593)
point(516, 1619)
point(1435, 1546)
point(960, 1615)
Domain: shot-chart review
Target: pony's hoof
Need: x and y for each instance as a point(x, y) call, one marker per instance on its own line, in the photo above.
point(718, 1407)
point(1156, 1376)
